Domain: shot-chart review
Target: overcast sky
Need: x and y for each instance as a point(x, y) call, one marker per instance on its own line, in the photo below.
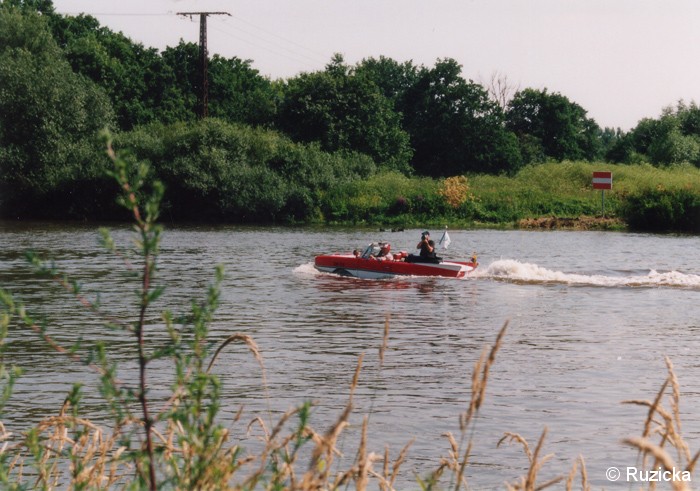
point(621, 60)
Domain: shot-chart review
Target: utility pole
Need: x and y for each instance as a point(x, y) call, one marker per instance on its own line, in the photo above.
point(203, 103)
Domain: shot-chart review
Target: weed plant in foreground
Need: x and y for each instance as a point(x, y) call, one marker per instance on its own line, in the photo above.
point(178, 442)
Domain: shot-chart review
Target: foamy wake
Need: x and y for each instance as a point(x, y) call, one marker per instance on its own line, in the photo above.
point(306, 270)
point(512, 270)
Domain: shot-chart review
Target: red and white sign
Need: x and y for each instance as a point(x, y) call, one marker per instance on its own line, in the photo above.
point(602, 180)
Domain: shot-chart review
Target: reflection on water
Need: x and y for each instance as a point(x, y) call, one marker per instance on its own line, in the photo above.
point(591, 317)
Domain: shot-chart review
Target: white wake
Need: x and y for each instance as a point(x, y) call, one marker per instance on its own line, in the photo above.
point(516, 271)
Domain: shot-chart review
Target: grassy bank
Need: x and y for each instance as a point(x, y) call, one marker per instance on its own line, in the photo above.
point(223, 173)
point(643, 197)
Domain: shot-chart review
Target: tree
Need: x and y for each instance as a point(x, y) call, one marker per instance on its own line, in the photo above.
point(138, 82)
point(394, 79)
point(42, 6)
point(344, 111)
point(670, 145)
point(49, 118)
point(455, 128)
point(559, 125)
point(500, 89)
point(239, 94)
point(672, 138)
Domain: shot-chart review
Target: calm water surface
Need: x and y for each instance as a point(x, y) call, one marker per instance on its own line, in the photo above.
point(592, 316)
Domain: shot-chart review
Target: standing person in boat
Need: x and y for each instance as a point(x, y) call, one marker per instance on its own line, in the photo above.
point(426, 246)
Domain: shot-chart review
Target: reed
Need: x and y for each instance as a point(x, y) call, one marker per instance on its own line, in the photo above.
point(661, 436)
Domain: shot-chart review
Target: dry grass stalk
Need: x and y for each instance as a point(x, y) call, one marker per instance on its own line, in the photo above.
point(319, 470)
point(680, 444)
point(584, 475)
point(660, 456)
point(94, 461)
point(385, 339)
point(363, 461)
point(536, 465)
point(518, 438)
point(669, 424)
point(529, 481)
point(569, 485)
point(390, 480)
point(480, 376)
point(248, 341)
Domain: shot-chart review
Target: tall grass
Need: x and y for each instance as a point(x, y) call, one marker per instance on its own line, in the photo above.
point(643, 196)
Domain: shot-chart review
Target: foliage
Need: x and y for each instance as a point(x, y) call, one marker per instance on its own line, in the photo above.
point(344, 111)
point(388, 197)
point(49, 119)
point(213, 170)
point(145, 86)
point(455, 190)
point(663, 209)
point(455, 128)
point(558, 126)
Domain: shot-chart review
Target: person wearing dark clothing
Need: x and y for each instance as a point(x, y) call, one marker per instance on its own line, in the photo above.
point(426, 246)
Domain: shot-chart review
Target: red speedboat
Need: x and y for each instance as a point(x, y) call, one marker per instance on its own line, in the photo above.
point(373, 263)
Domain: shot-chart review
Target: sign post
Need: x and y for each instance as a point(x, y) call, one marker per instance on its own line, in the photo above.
point(602, 180)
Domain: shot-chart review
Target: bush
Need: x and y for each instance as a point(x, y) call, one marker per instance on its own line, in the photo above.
point(663, 209)
point(216, 171)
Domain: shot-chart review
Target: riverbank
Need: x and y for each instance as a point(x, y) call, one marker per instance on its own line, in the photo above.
point(575, 223)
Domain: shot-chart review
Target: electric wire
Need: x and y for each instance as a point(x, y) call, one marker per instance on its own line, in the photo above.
point(289, 54)
point(311, 60)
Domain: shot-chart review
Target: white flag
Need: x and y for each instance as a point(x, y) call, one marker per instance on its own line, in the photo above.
point(445, 240)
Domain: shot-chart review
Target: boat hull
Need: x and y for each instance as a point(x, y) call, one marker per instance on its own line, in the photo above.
point(349, 265)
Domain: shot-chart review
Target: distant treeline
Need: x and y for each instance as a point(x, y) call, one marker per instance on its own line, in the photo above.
point(272, 150)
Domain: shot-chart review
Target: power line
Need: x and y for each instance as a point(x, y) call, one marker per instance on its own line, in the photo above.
point(113, 14)
point(308, 61)
point(278, 36)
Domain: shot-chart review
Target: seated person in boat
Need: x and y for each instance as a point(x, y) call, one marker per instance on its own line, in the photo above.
point(427, 251)
point(380, 251)
point(426, 246)
point(385, 252)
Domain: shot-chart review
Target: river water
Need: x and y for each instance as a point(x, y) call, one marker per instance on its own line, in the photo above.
point(591, 317)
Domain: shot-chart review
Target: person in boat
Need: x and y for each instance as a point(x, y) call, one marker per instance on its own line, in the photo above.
point(426, 246)
point(427, 251)
point(385, 252)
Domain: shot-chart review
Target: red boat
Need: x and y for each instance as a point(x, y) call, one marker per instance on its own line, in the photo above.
point(373, 264)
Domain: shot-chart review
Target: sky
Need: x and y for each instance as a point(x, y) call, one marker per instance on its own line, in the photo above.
point(621, 60)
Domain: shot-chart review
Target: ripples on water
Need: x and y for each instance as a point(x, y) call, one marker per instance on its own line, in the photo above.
point(591, 317)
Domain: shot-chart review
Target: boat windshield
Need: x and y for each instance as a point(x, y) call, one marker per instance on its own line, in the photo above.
point(371, 250)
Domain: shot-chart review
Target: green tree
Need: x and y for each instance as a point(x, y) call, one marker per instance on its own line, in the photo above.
point(689, 116)
point(138, 82)
point(41, 6)
point(560, 126)
point(344, 111)
point(394, 79)
point(454, 126)
point(671, 145)
point(49, 120)
point(239, 94)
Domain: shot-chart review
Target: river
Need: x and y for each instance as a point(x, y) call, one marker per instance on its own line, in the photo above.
point(591, 317)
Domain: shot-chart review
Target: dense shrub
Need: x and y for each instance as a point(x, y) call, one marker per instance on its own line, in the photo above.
point(214, 170)
point(663, 209)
